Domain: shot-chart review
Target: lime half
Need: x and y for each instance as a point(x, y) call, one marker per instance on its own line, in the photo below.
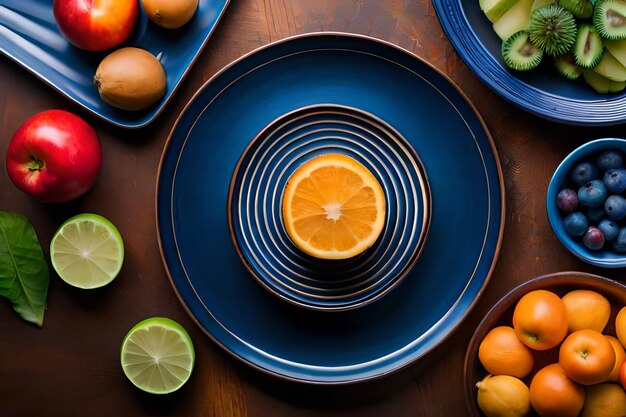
point(157, 355)
point(87, 251)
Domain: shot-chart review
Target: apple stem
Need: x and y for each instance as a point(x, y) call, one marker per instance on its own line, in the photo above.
point(35, 164)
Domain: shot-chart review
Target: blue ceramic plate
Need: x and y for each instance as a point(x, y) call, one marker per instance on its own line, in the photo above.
point(29, 36)
point(391, 84)
point(257, 190)
point(542, 91)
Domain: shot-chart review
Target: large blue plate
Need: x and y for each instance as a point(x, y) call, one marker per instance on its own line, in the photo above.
point(192, 214)
point(29, 35)
point(542, 91)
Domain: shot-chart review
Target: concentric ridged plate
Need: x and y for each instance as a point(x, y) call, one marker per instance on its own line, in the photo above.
point(255, 207)
point(392, 85)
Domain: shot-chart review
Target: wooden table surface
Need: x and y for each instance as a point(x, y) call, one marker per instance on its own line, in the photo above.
point(70, 367)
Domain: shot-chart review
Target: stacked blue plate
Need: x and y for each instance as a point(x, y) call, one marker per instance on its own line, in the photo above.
point(284, 86)
point(255, 207)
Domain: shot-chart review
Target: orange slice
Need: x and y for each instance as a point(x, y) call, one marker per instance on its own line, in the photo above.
point(333, 207)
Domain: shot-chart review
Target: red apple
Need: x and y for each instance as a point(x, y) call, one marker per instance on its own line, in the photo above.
point(54, 156)
point(96, 25)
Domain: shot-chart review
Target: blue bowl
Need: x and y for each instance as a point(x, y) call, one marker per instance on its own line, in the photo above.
point(542, 91)
point(603, 258)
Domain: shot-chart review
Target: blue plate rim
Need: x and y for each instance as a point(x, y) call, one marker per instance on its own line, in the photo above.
point(497, 246)
point(161, 106)
point(599, 112)
point(426, 196)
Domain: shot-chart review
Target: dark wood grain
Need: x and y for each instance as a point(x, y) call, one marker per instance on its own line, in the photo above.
point(70, 367)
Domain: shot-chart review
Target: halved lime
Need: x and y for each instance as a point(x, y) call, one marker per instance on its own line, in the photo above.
point(87, 251)
point(157, 355)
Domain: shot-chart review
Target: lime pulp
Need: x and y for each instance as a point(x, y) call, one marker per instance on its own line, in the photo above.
point(157, 355)
point(87, 251)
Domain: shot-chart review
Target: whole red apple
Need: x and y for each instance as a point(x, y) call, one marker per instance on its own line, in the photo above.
point(96, 25)
point(54, 156)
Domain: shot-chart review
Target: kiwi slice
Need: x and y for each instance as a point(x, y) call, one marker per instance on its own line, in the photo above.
point(609, 17)
point(588, 47)
point(580, 8)
point(552, 29)
point(519, 53)
point(566, 66)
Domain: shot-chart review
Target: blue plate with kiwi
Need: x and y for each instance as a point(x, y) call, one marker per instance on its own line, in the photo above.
point(270, 111)
point(30, 37)
point(558, 87)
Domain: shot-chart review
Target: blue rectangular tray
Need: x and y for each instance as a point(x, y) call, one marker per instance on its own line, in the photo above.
point(29, 36)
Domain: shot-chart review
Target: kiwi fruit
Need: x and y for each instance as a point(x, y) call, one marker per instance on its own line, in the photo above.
point(566, 66)
point(172, 14)
point(519, 53)
point(582, 9)
point(609, 17)
point(588, 48)
point(552, 29)
point(130, 79)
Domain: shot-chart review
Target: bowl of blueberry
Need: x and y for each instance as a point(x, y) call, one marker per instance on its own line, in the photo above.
point(586, 202)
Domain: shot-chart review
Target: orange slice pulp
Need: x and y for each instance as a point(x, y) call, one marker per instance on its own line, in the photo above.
point(333, 207)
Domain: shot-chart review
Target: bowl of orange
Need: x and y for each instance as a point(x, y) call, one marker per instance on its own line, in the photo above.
point(552, 346)
point(329, 208)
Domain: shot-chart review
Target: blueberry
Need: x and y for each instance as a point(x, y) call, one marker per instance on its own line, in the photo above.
point(615, 180)
point(567, 200)
point(620, 243)
point(583, 173)
point(615, 207)
point(592, 194)
point(609, 228)
point(576, 224)
point(593, 238)
point(596, 214)
point(609, 160)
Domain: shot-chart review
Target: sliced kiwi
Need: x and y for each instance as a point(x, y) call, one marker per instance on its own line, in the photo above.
point(566, 66)
point(609, 17)
point(588, 48)
point(552, 29)
point(519, 53)
point(580, 8)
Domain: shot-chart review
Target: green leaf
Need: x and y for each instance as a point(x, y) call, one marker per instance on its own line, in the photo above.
point(24, 274)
